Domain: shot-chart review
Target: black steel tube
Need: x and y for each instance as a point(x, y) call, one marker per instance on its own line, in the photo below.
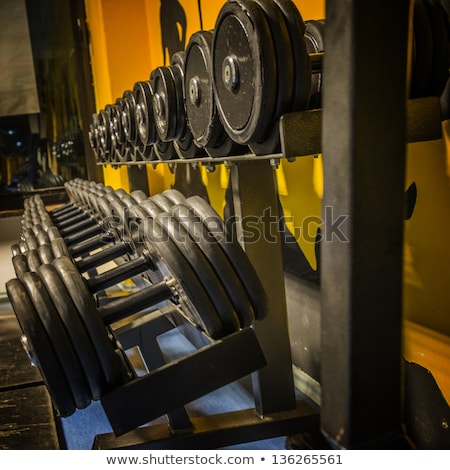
point(108, 254)
point(84, 234)
point(134, 303)
point(87, 222)
point(87, 245)
point(71, 220)
point(66, 215)
point(119, 274)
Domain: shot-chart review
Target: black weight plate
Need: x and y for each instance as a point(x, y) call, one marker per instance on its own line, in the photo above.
point(424, 51)
point(302, 64)
point(20, 265)
point(314, 42)
point(162, 202)
point(42, 351)
point(59, 248)
point(46, 253)
point(243, 44)
point(15, 249)
point(164, 103)
point(225, 147)
point(32, 242)
point(145, 122)
point(205, 315)
point(185, 147)
point(58, 338)
point(75, 329)
point(174, 196)
point(234, 252)
point(77, 288)
point(201, 111)
point(104, 134)
point(165, 150)
point(202, 269)
point(178, 81)
point(33, 260)
point(219, 262)
point(270, 143)
point(128, 117)
point(440, 31)
point(53, 233)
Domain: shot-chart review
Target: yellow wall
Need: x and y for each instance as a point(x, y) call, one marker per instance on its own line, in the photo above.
point(126, 46)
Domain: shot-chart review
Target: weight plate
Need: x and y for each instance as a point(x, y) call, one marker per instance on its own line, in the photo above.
point(236, 255)
point(46, 253)
point(424, 51)
point(185, 147)
point(164, 103)
point(178, 80)
point(58, 338)
point(104, 134)
point(144, 119)
point(128, 117)
point(53, 233)
point(201, 111)
point(40, 350)
point(15, 249)
point(302, 64)
point(162, 202)
point(75, 329)
point(270, 143)
point(59, 248)
point(81, 297)
point(20, 265)
point(32, 242)
point(202, 269)
point(165, 151)
point(314, 42)
point(244, 71)
point(171, 260)
point(218, 261)
point(33, 260)
point(440, 64)
point(174, 196)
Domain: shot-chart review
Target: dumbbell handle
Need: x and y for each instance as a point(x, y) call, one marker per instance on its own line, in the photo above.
point(134, 303)
point(103, 256)
point(119, 274)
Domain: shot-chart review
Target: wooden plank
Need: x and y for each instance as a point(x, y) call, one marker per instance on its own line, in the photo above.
point(26, 420)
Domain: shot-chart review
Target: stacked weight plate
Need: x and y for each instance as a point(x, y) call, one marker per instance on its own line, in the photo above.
point(178, 249)
point(226, 92)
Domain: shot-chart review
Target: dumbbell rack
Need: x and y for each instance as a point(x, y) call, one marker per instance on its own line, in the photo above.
point(361, 279)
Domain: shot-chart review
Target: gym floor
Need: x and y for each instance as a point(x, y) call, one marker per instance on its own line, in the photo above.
point(79, 430)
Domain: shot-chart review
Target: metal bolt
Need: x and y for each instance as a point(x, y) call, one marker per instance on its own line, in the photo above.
point(194, 90)
point(230, 73)
point(274, 163)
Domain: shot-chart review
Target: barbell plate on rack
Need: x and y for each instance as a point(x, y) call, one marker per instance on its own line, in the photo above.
point(302, 64)
point(219, 262)
point(75, 329)
point(201, 110)
point(314, 42)
point(165, 150)
point(236, 255)
point(83, 301)
point(164, 103)
point(423, 51)
point(441, 56)
point(144, 118)
point(39, 347)
point(58, 339)
point(202, 269)
point(244, 71)
point(128, 117)
point(270, 143)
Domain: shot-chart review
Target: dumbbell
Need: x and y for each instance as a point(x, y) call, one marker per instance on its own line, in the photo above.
point(261, 65)
point(125, 245)
point(72, 300)
point(201, 111)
